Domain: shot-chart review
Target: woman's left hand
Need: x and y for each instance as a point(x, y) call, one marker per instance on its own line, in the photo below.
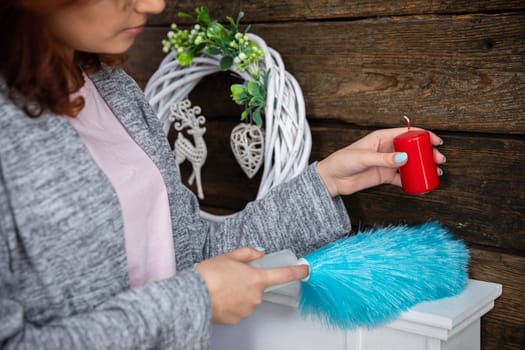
point(368, 162)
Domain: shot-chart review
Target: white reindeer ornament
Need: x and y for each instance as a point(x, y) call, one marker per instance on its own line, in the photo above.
point(187, 117)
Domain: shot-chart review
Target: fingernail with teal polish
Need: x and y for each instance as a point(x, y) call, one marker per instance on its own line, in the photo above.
point(444, 159)
point(260, 249)
point(400, 157)
point(440, 171)
point(440, 141)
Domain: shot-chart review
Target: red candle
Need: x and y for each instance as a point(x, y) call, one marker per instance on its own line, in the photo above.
point(419, 174)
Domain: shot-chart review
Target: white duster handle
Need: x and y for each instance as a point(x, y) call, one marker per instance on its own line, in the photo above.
point(281, 258)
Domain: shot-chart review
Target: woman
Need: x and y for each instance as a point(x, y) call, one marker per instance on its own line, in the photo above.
point(98, 237)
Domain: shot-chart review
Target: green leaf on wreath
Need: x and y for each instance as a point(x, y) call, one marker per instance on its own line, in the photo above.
point(185, 58)
point(184, 15)
point(244, 114)
point(254, 101)
point(253, 88)
point(202, 15)
point(226, 62)
point(213, 51)
point(257, 117)
point(232, 21)
point(237, 93)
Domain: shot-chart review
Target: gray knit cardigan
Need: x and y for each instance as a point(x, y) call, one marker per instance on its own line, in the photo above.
point(63, 274)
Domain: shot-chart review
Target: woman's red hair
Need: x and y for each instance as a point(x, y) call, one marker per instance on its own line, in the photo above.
point(38, 75)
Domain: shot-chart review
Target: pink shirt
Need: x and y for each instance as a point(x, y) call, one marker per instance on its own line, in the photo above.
point(139, 186)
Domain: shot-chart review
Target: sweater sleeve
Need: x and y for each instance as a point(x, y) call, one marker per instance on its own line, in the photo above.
point(174, 311)
point(150, 317)
point(298, 215)
point(155, 316)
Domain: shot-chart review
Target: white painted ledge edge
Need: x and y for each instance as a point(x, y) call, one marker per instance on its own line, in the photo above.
point(439, 319)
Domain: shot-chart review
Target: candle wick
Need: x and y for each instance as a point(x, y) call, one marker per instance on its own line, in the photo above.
point(408, 121)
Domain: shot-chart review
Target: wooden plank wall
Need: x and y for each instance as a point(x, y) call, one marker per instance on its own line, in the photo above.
point(455, 67)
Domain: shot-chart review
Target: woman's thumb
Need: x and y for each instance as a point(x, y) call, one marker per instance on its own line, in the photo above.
point(387, 160)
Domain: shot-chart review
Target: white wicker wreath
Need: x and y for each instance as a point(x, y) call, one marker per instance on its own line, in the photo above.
point(287, 142)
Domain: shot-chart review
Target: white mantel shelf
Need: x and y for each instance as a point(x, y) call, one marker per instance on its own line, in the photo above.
point(445, 324)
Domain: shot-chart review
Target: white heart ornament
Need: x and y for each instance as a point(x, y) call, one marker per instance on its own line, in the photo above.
point(247, 144)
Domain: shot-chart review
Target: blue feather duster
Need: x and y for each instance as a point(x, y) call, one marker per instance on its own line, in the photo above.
point(368, 279)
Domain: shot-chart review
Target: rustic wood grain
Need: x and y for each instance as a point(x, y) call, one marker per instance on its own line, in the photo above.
point(269, 11)
point(455, 73)
point(450, 73)
point(504, 326)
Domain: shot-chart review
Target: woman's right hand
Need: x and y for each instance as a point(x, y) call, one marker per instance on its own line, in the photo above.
point(236, 288)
